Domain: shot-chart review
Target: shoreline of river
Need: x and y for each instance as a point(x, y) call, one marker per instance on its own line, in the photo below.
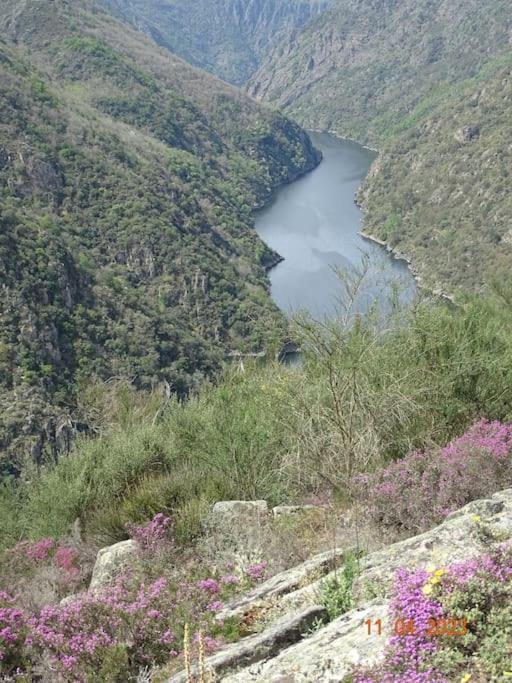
point(343, 137)
point(414, 273)
point(292, 232)
point(372, 238)
point(268, 198)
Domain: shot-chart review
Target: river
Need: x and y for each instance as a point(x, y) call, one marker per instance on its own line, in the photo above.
point(314, 224)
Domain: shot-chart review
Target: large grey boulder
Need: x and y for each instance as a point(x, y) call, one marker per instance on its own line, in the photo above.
point(329, 654)
point(279, 636)
point(110, 562)
point(238, 524)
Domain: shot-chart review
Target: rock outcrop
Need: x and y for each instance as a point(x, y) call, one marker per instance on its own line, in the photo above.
point(467, 133)
point(286, 631)
point(238, 523)
point(276, 654)
point(110, 562)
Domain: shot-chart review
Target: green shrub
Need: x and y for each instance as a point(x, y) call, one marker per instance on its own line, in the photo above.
point(337, 591)
point(364, 396)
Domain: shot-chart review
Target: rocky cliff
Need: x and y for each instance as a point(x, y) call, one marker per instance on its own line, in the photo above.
point(284, 647)
point(227, 37)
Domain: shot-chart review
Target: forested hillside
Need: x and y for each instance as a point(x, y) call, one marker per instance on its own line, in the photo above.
point(226, 37)
point(428, 83)
point(127, 182)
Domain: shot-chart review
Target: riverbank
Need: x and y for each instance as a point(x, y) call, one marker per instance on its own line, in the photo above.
point(268, 198)
point(314, 224)
point(344, 137)
point(398, 256)
point(414, 272)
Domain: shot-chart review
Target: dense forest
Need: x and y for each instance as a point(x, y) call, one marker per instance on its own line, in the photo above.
point(128, 181)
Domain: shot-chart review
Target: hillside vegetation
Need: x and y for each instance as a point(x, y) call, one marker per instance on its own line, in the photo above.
point(364, 397)
point(422, 410)
point(428, 83)
point(130, 268)
point(127, 183)
point(226, 37)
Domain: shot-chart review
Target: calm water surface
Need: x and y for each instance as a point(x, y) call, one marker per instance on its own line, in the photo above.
point(314, 224)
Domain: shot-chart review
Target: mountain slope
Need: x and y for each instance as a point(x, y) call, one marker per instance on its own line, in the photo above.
point(440, 193)
point(227, 37)
point(428, 83)
point(127, 248)
point(361, 67)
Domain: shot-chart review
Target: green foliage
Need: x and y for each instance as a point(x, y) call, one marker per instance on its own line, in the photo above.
point(272, 431)
point(127, 246)
point(337, 590)
point(221, 445)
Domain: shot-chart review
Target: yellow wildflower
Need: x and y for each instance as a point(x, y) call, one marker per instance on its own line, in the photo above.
point(476, 518)
point(465, 678)
point(440, 572)
point(434, 580)
point(427, 589)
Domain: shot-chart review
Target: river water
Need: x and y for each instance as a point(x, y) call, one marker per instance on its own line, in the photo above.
point(314, 224)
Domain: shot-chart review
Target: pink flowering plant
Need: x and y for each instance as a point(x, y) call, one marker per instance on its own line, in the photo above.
point(477, 594)
point(13, 634)
point(137, 622)
point(420, 490)
point(154, 537)
point(31, 560)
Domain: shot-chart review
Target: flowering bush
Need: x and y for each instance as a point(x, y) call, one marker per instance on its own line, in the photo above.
point(478, 593)
point(256, 571)
point(209, 585)
point(422, 489)
point(67, 558)
point(46, 560)
point(32, 553)
point(153, 537)
point(78, 637)
point(13, 632)
point(138, 622)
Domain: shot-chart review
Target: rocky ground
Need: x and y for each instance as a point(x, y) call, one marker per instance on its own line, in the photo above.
point(287, 643)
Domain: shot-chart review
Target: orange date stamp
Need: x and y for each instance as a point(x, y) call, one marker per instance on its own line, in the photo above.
point(445, 627)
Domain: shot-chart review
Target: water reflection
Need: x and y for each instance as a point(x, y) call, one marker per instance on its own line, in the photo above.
point(314, 223)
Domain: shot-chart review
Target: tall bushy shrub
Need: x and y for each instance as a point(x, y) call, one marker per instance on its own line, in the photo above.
point(420, 490)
